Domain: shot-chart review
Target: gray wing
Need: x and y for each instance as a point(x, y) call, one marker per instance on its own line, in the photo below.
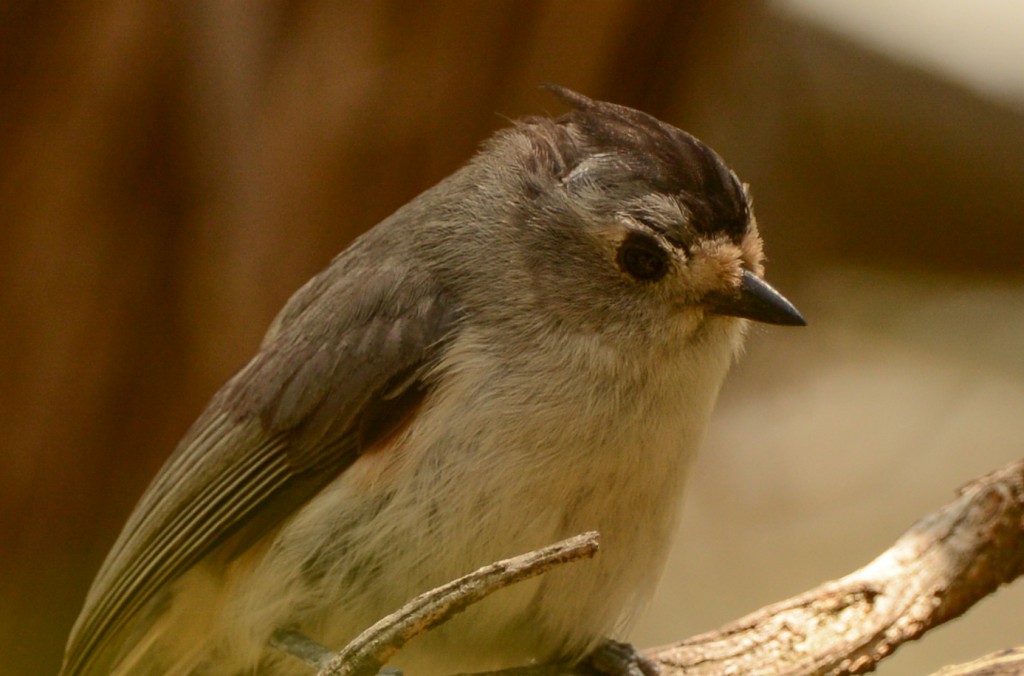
point(342, 364)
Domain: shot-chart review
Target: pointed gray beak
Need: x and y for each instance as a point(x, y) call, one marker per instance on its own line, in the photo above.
point(757, 300)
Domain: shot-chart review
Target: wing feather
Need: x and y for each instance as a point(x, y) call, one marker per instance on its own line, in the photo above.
point(273, 436)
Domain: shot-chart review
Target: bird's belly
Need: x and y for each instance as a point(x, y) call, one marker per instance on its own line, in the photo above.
point(388, 530)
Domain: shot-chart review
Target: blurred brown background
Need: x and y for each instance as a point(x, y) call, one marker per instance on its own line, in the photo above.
point(171, 172)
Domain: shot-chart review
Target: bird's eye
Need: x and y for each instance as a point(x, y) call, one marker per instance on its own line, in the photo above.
point(642, 258)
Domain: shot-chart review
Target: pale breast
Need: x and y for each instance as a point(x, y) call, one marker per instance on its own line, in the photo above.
point(504, 457)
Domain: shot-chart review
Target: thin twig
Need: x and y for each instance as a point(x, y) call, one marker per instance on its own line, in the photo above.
point(371, 649)
point(1009, 662)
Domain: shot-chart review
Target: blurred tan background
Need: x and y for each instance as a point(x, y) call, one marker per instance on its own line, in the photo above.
point(171, 172)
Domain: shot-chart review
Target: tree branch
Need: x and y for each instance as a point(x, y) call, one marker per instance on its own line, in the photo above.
point(943, 565)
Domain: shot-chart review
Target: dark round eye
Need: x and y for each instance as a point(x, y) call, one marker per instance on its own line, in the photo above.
point(642, 258)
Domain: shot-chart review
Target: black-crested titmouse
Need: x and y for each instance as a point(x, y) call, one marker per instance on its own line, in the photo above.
point(528, 350)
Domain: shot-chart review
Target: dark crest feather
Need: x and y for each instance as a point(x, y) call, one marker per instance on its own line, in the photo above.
point(666, 158)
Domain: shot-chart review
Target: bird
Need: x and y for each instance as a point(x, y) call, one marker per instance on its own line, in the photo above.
point(530, 349)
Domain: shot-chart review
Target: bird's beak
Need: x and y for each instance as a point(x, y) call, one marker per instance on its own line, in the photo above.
point(755, 299)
